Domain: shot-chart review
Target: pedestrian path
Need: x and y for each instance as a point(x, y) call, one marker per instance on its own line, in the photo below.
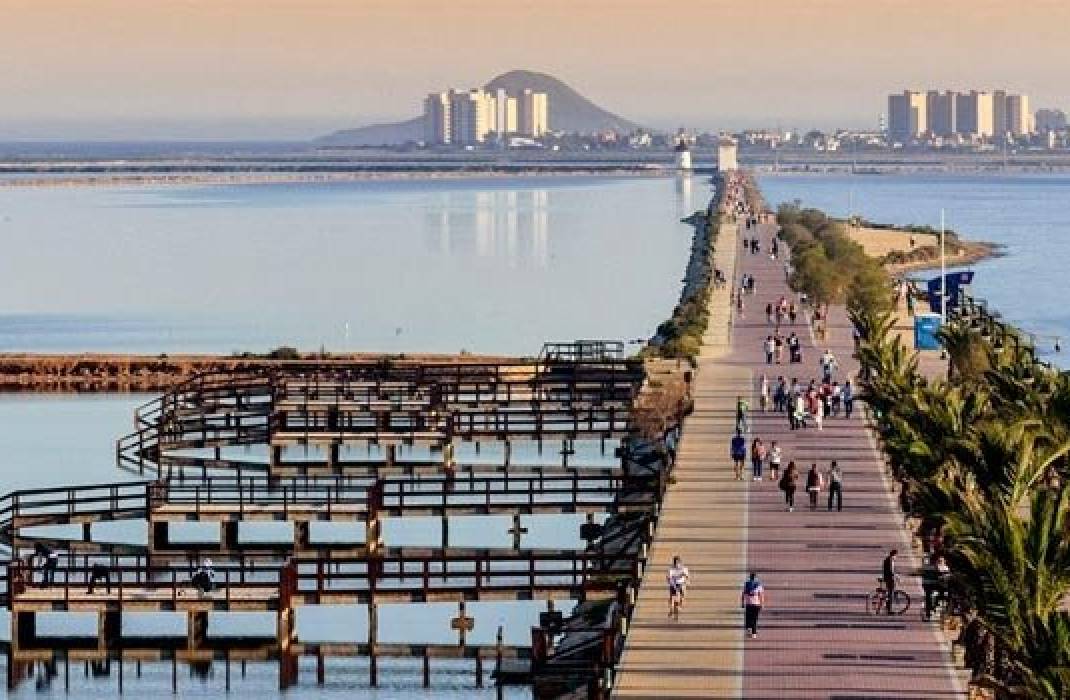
point(816, 639)
point(702, 521)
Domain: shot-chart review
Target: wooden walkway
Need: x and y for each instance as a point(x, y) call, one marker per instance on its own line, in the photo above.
point(815, 638)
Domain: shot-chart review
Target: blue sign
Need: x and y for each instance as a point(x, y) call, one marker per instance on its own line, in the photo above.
point(955, 281)
point(926, 326)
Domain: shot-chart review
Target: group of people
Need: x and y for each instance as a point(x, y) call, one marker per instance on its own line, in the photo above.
point(46, 559)
point(752, 597)
point(774, 345)
point(807, 403)
point(781, 313)
point(788, 481)
point(816, 481)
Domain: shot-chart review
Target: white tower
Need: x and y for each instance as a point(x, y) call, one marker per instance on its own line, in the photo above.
point(726, 154)
point(683, 156)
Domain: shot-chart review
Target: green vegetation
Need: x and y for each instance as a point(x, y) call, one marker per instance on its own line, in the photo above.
point(828, 266)
point(681, 335)
point(283, 352)
point(981, 458)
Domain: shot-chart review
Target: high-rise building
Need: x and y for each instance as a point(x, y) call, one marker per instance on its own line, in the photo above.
point(512, 121)
point(975, 114)
point(999, 114)
point(467, 118)
point(907, 116)
point(437, 118)
point(533, 113)
point(505, 108)
point(941, 109)
point(1048, 120)
point(1019, 118)
point(470, 117)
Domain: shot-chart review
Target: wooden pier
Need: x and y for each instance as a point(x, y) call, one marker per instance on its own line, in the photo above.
point(186, 441)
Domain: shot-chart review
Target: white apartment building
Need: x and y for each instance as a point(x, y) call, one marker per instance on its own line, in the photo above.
point(471, 117)
point(467, 118)
point(1019, 116)
point(975, 114)
point(533, 114)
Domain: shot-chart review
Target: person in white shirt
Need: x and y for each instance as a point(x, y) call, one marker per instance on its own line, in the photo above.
point(828, 363)
point(775, 457)
point(678, 578)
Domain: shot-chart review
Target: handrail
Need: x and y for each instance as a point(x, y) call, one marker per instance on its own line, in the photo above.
point(397, 570)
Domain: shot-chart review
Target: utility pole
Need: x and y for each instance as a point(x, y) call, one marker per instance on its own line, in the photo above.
point(943, 274)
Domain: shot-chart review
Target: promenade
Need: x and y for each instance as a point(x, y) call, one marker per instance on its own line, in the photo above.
point(816, 639)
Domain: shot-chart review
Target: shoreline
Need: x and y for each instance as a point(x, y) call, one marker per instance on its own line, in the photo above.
point(116, 373)
point(267, 178)
point(903, 249)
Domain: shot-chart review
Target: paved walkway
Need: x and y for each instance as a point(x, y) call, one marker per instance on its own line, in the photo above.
point(816, 640)
point(702, 521)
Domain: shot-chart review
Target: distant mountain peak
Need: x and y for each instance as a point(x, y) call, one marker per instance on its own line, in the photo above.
point(569, 111)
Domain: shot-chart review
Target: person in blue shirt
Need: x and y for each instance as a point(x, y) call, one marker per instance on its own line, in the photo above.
point(752, 600)
point(739, 453)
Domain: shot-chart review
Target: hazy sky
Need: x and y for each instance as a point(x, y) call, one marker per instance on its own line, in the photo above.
point(295, 68)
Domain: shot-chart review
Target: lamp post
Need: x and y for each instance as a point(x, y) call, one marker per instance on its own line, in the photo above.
point(943, 274)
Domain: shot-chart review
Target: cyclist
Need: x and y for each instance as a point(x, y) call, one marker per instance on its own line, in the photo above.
point(888, 575)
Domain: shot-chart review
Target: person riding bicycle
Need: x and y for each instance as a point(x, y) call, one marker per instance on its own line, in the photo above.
point(888, 576)
point(934, 580)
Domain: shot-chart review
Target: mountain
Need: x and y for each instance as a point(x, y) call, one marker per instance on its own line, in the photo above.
point(569, 111)
point(388, 134)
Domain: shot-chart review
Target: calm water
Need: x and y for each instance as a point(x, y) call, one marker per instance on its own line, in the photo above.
point(484, 264)
point(491, 265)
point(1027, 214)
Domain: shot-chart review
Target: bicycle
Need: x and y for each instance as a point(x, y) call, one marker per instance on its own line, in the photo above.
point(877, 601)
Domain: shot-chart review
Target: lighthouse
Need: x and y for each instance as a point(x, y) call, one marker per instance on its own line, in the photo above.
point(683, 156)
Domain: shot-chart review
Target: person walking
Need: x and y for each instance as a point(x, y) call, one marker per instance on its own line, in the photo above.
point(774, 461)
point(742, 408)
point(778, 347)
point(835, 399)
point(757, 458)
point(788, 484)
point(835, 477)
point(769, 313)
point(780, 395)
point(813, 485)
point(793, 313)
point(678, 577)
point(752, 600)
point(828, 363)
point(770, 349)
point(738, 451)
point(847, 395)
point(763, 395)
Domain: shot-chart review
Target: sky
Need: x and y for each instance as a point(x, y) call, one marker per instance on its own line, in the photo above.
point(291, 69)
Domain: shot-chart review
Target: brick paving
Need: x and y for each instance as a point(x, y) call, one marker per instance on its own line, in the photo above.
point(815, 638)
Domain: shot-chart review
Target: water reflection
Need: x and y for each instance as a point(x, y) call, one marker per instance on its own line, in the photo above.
point(685, 205)
point(508, 225)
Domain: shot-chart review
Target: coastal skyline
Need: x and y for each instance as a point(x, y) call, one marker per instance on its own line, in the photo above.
point(281, 69)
